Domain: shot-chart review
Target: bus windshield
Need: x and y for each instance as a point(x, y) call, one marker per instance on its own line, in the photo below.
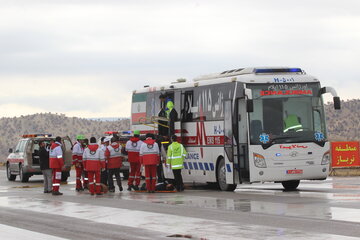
point(287, 113)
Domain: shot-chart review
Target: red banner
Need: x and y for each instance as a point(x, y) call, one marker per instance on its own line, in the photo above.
point(345, 154)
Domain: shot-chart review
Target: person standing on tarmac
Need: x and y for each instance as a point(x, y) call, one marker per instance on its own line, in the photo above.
point(56, 163)
point(133, 149)
point(113, 156)
point(94, 161)
point(150, 157)
point(44, 166)
point(175, 157)
point(104, 172)
point(77, 157)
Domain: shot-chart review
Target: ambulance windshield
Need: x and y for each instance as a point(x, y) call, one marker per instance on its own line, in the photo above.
point(287, 113)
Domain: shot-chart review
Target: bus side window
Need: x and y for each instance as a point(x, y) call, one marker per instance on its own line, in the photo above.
point(188, 100)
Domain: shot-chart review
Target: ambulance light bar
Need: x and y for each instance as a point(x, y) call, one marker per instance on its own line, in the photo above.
point(36, 135)
point(111, 132)
point(278, 70)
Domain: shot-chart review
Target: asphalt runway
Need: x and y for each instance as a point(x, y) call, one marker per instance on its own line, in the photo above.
point(327, 209)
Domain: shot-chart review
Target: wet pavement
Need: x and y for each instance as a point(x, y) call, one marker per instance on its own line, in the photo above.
point(327, 209)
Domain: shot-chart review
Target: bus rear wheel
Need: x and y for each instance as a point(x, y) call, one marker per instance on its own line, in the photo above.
point(221, 177)
point(290, 185)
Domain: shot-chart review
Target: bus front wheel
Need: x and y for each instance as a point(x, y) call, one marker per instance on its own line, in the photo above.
point(290, 185)
point(221, 177)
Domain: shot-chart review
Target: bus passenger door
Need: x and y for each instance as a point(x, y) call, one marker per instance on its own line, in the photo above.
point(229, 142)
point(243, 146)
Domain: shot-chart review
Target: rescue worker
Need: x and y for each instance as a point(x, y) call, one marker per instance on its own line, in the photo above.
point(77, 160)
point(292, 123)
point(103, 146)
point(150, 157)
point(175, 157)
point(94, 161)
point(162, 128)
point(84, 173)
point(172, 116)
point(132, 148)
point(56, 164)
point(114, 162)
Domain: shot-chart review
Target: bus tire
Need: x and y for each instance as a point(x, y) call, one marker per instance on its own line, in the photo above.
point(10, 177)
point(23, 176)
point(221, 177)
point(290, 185)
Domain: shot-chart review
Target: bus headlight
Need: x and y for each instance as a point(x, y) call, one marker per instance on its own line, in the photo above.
point(326, 158)
point(259, 161)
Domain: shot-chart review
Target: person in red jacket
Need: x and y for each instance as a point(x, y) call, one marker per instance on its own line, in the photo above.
point(77, 156)
point(56, 164)
point(150, 158)
point(114, 162)
point(94, 162)
point(133, 149)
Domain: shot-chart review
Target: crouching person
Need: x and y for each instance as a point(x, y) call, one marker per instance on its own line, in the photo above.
point(93, 163)
point(150, 158)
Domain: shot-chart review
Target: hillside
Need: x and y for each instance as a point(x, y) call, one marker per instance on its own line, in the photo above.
point(59, 125)
point(342, 125)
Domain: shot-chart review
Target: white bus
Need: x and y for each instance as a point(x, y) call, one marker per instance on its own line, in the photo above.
point(245, 125)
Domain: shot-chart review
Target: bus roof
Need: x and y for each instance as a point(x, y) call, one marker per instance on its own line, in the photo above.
point(259, 75)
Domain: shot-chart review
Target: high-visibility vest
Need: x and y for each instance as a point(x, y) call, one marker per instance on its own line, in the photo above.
point(292, 123)
point(176, 155)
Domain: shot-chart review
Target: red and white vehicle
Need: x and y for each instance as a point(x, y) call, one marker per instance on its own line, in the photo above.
point(24, 159)
point(245, 125)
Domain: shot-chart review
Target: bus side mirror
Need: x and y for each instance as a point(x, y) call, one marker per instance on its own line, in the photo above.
point(337, 103)
point(249, 105)
point(10, 150)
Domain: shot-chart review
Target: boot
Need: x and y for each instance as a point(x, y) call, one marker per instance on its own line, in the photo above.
point(57, 193)
point(136, 187)
point(121, 189)
point(129, 187)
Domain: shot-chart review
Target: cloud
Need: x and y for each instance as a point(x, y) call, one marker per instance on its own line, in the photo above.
point(90, 56)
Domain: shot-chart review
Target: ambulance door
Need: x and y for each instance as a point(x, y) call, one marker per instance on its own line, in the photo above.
point(243, 146)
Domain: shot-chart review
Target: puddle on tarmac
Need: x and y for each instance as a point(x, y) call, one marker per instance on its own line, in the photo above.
point(199, 228)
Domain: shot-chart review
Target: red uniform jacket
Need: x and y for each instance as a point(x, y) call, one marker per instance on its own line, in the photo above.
point(93, 158)
point(133, 149)
point(113, 156)
point(56, 156)
point(149, 152)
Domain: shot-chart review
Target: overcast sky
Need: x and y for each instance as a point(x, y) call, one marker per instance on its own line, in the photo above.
point(84, 57)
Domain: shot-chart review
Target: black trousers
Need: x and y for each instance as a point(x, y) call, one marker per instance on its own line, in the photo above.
point(179, 185)
point(111, 173)
point(104, 177)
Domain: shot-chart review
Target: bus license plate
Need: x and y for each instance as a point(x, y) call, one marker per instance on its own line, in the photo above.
point(295, 171)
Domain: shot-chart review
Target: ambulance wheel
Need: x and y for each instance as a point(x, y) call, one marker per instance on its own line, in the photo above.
point(291, 185)
point(23, 176)
point(221, 177)
point(10, 177)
